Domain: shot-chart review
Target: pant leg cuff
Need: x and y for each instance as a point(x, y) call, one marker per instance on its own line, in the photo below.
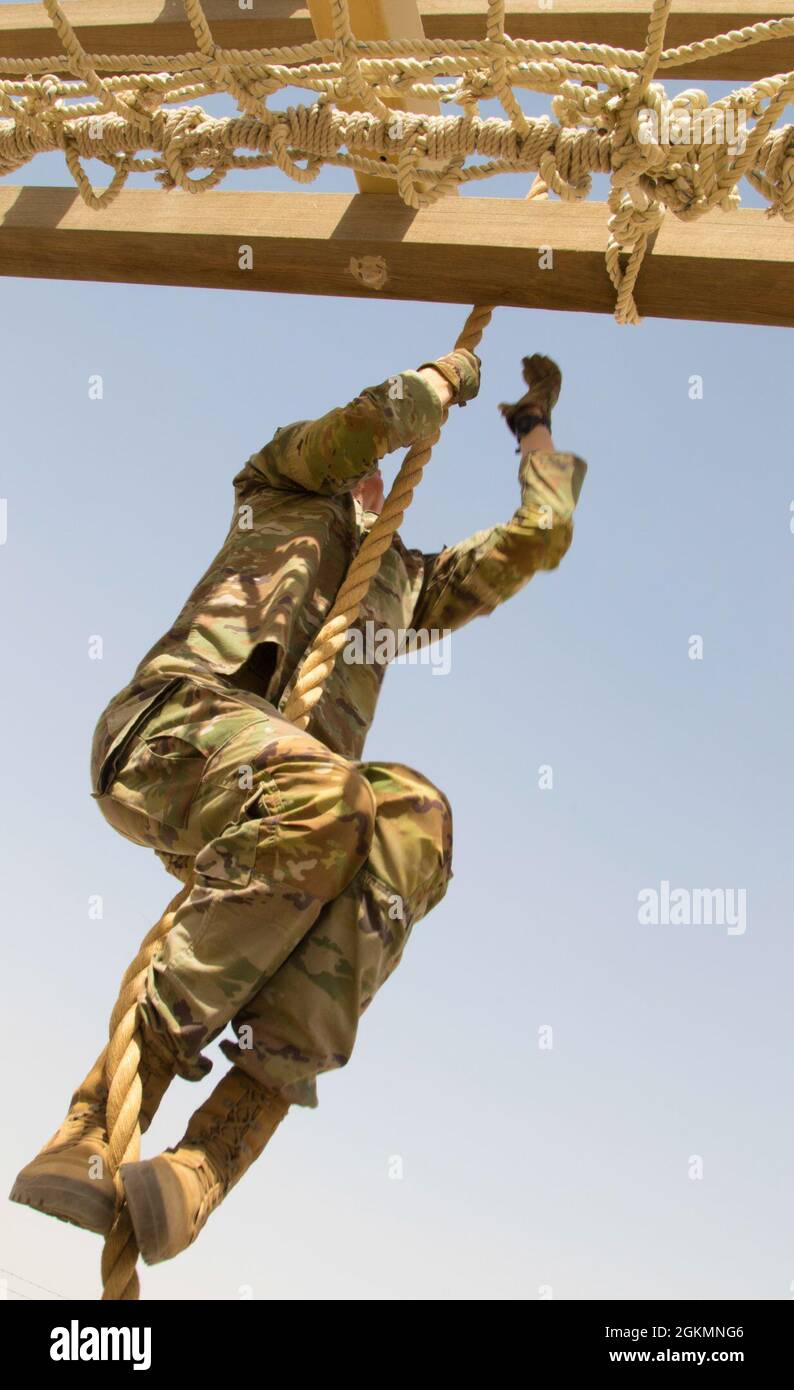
point(303, 1092)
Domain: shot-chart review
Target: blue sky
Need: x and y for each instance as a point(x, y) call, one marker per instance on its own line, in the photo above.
point(571, 1169)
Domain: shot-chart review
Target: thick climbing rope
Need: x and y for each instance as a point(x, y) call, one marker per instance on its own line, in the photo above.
point(607, 106)
point(318, 664)
point(123, 1054)
point(562, 157)
point(123, 1108)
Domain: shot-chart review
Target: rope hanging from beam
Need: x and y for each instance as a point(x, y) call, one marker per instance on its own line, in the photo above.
point(318, 664)
point(562, 157)
point(610, 119)
point(120, 1253)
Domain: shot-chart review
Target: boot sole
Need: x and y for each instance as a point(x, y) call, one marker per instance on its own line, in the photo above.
point(67, 1200)
point(147, 1211)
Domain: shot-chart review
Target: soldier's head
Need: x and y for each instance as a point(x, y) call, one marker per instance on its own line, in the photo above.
point(369, 491)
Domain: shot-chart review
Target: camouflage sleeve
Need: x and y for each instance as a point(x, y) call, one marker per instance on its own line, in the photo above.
point(331, 454)
point(467, 580)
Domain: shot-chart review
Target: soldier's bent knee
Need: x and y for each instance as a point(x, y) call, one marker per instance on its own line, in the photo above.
point(351, 810)
point(441, 829)
point(412, 848)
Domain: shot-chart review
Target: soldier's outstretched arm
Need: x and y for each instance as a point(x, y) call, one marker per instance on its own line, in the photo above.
point(472, 578)
point(331, 454)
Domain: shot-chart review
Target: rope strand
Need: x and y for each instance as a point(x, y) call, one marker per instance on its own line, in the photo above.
point(128, 109)
point(123, 1053)
point(605, 99)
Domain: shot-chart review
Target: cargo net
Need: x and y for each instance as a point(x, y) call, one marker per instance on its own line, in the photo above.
point(611, 118)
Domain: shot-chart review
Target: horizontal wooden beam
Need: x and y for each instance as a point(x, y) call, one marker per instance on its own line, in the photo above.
point(159, 26)
point(736, 266)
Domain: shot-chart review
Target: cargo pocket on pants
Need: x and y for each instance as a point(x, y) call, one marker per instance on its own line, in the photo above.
point(159, 777)
point(230, 858)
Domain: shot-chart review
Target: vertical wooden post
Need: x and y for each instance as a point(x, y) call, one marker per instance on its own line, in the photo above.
point(377, 19)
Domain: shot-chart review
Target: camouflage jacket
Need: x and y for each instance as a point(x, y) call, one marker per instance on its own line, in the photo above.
point(294, 530)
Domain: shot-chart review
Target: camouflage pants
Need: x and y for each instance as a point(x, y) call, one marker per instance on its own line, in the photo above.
point(309, 872)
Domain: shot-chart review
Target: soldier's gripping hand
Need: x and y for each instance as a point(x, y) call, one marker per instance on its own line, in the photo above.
point(544, 382)
point(461, 369)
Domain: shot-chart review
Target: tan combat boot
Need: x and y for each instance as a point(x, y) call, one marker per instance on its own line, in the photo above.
point(170, 1197)
point(70, 1178)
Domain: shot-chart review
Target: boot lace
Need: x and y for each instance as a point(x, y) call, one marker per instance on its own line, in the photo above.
point(82, 1120)
point(222, 1147)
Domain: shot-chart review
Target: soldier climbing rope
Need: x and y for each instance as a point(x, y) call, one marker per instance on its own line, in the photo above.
point(111, 108)
point(123, 1056)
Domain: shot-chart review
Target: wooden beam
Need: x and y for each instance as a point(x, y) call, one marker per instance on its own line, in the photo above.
point(159, 26)
point(737, 267)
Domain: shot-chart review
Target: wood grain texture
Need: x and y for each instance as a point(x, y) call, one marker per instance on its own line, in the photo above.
point(736, 267)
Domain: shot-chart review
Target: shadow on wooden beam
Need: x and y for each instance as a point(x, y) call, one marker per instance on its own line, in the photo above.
point(735, 267)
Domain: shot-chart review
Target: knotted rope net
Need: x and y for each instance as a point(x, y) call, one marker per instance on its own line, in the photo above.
point(609, 119)
point(604, 99)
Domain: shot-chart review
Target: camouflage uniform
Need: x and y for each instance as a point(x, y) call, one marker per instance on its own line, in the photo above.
point(309, 866)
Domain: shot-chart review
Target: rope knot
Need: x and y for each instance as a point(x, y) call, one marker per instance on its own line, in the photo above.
point(629, 224)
